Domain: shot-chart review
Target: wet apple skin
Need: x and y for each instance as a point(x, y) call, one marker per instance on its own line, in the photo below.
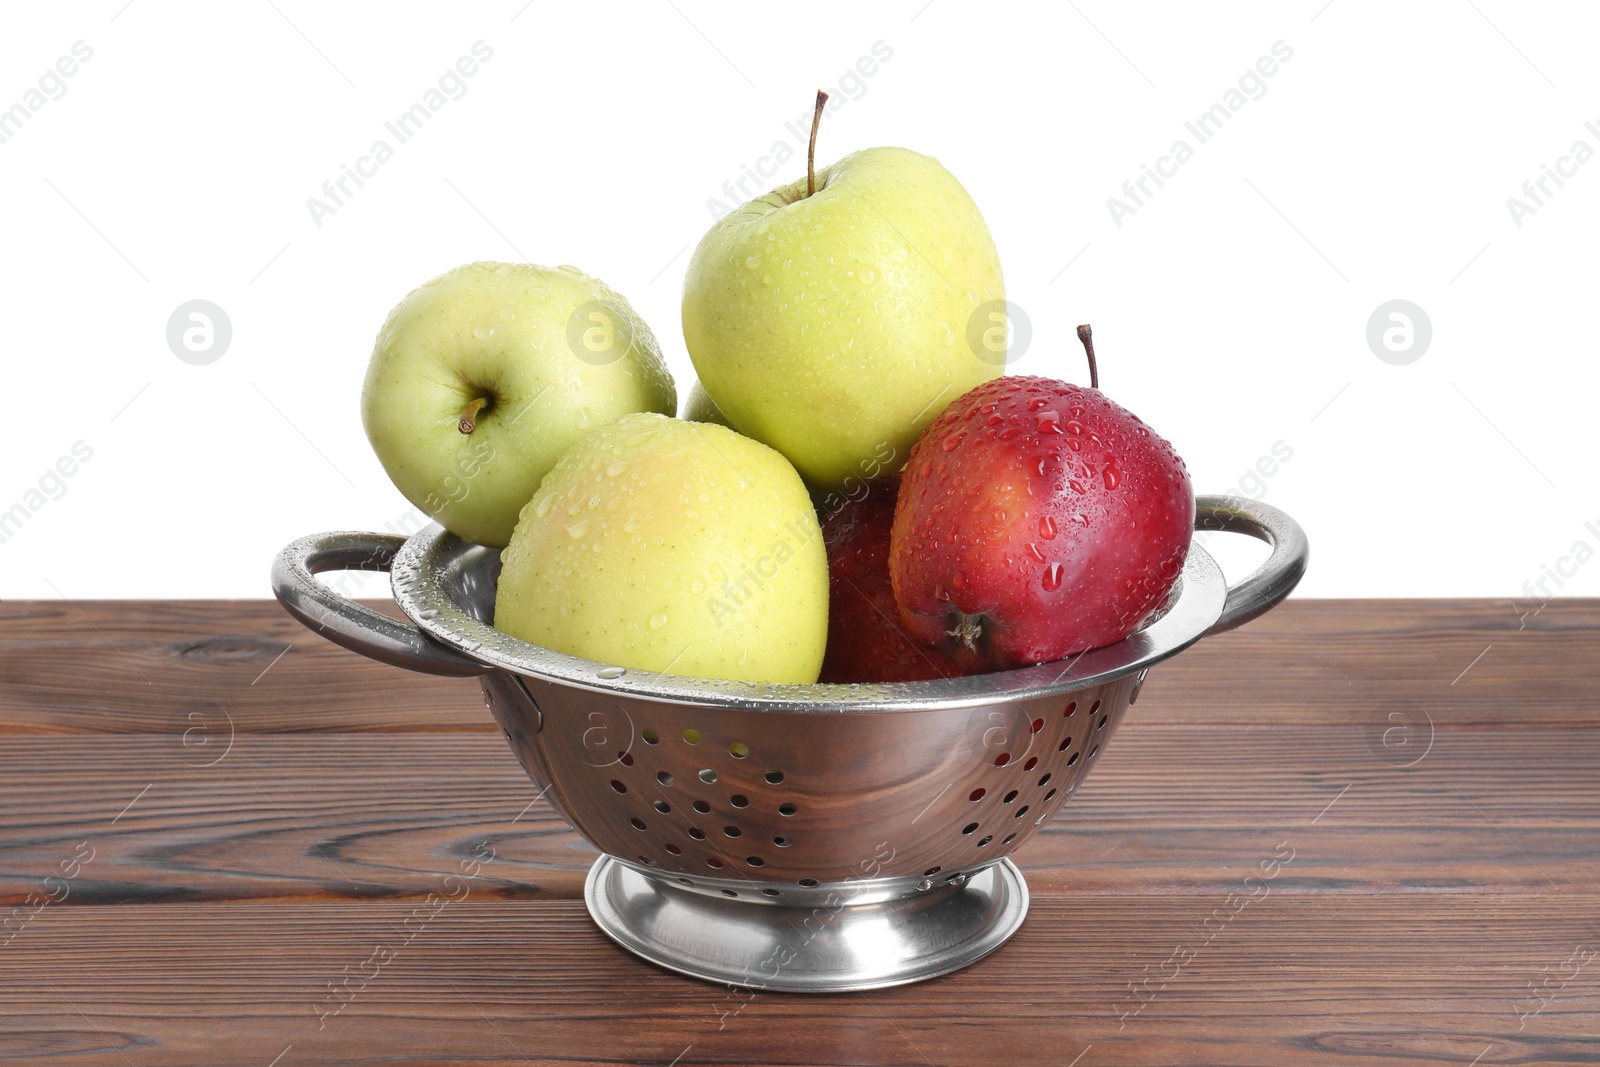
point(1042, 513)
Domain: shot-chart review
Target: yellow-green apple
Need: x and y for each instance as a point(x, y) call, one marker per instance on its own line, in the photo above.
point(664, 545)
point(699, 407)
point(834, 324)
point(484, 376)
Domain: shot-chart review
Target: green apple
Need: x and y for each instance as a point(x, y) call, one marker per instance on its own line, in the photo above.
point(835, 326)
point(699, 407)
point(483, 377)
point(673, 546)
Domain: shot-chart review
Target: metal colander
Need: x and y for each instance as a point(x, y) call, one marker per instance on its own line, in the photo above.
point(808, 838)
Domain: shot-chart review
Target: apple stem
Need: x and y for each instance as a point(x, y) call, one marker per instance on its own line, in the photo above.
point(469, 417)
point(1086, 335)
point(811, 149)
point(967, 630)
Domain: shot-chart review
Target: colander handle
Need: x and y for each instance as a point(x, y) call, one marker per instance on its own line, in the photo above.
point(345, 622)
point(1269, 583)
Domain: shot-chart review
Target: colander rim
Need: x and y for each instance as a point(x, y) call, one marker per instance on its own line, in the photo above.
point(423, 566)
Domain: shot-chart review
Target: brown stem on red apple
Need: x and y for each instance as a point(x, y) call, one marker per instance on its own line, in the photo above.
point(967, 630)
point(811, 149)
point(469, 417)
point(1086, 335)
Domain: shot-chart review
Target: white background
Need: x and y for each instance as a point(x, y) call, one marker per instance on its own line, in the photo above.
point(1230, 311)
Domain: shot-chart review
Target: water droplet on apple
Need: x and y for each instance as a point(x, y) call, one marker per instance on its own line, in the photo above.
point(752, 261)
point(508, 314)
point(1112, 477)
point(1033, 550)
point(542, 507)
point(1074, 444)
point(1047, 528)
point(658, 620)
point(1074, 427)
point(1049, 422)
point(867, 273)
point(617, 468)
point(766, 279)
point(1052, 578)
point(1077, 487)
point(538, 292)
point(952, 442)
point(482, 333)
point(578, 529)
point(1038, 403)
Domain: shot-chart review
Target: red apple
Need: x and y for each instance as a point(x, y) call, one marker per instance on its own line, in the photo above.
point(866, 639)
point(1037, 519)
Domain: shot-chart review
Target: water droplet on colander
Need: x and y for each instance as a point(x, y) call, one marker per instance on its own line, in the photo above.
point(610, 673)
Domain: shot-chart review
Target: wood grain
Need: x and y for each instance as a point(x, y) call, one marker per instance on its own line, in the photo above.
point(1358, 981)
point(144, 667)
point(116, 666)
point(239, 840)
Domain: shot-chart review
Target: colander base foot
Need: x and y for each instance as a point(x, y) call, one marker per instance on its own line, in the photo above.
point(823, 947)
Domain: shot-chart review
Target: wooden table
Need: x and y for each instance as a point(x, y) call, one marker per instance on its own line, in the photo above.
point(213, 823)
